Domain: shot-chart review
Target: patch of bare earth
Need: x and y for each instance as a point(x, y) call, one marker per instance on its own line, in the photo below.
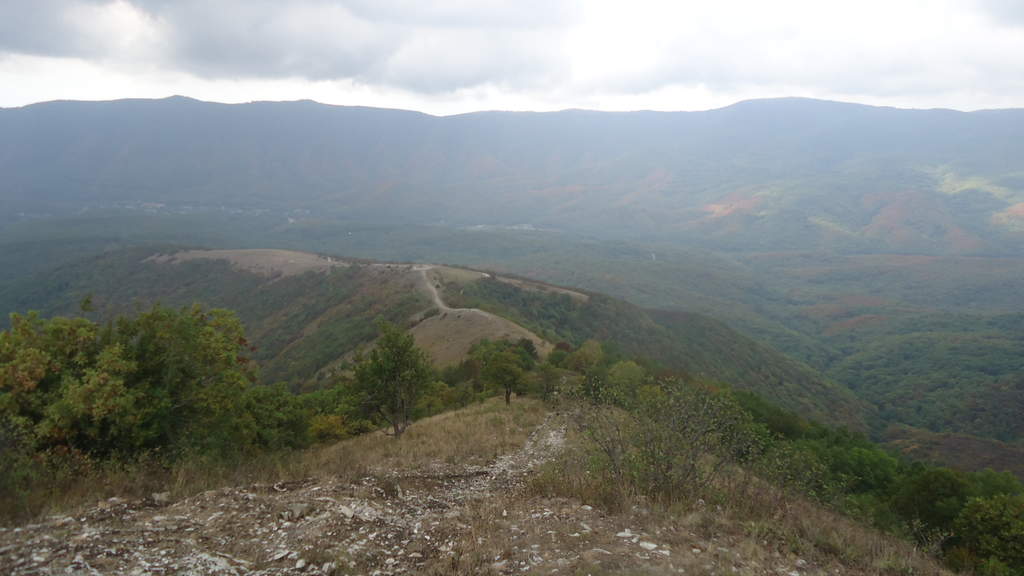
point(265, 262)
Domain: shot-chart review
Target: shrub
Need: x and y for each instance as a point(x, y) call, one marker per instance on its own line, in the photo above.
point(668, 440)
point(992, 529)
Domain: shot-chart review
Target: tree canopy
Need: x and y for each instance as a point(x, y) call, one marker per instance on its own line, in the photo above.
point(393, 377)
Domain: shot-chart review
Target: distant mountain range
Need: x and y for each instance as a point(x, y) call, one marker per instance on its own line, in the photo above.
point(853, 263)
point(761, 175)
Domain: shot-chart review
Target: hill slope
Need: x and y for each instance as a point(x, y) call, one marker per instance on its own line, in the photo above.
point(307, 314)
point(304, 313)
point(455, 496)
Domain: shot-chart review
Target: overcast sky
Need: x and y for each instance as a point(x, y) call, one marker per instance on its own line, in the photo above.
point(453, 56)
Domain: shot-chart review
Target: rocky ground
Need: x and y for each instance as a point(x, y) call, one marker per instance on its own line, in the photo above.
point(442, 519)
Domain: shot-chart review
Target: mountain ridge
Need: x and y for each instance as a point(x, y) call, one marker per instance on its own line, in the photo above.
point(305, 322)
point(761, 175)
point(737, 104)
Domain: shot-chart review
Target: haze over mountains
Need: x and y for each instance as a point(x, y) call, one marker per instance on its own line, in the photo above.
point(870, 253)
point(766, 175)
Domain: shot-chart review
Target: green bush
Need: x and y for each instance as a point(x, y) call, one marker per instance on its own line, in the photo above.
point(992, 529)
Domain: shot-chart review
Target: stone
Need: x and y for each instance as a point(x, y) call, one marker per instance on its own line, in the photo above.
point(161, 498)
point(296, 511)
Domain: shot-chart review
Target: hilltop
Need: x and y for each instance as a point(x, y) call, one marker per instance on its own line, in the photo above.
point(463, 493)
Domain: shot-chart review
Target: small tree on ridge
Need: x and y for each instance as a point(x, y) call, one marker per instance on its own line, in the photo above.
point(393, 377)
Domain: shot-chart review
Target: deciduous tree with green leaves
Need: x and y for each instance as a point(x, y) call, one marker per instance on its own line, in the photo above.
point(393, 376)
point(165, 379)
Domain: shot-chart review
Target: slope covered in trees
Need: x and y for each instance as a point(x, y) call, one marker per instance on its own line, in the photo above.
point(305, 325)
point(685, 342)
point(763, 175)
point(82, 402)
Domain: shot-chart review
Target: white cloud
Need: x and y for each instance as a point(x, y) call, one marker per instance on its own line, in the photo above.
point(461, 55)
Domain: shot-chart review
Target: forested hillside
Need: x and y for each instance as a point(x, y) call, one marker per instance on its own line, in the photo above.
point(762, 175)
point(687, 342)
point(875, 248)
point(167, 399)
point(304, 323)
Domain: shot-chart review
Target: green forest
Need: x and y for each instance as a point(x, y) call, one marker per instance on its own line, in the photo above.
point(172, 385)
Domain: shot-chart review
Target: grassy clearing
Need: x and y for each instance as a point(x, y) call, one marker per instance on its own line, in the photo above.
point(474, 435)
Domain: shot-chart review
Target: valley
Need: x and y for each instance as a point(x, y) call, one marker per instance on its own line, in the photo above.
point(836, 288)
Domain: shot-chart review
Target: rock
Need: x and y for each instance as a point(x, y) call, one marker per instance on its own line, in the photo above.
point(348, 512)
point(296, 511)
point(625, 534)
point(161, 498)
point(800, 562)
point(595, 555)
point(110, 503)
point(648, 546)
point(300, 564)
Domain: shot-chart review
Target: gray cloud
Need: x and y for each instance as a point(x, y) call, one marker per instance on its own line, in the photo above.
point(49, 28)
point(400, 43)
point(573, 48)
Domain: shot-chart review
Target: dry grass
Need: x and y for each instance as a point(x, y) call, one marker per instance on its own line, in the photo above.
point(447, 337)
point(476, 434)
point(449, 275)
point(265, 262)
point(745, 518)
point(473, 435)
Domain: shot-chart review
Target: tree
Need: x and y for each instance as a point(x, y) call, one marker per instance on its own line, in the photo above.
point(588, 357)
point(504, 370)
point(993, 529)
point(393, 377)
point(164, 379)
point(623, 380)
point(929, 500)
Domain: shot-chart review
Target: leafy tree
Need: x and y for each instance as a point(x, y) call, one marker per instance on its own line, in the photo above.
point(504, 370)
point(587, 358)
point(992, 530)
point(528, 351)
point(623, 381)
point(164, 379)
point(929, 500)
point(393, 377)
point(546, 380)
